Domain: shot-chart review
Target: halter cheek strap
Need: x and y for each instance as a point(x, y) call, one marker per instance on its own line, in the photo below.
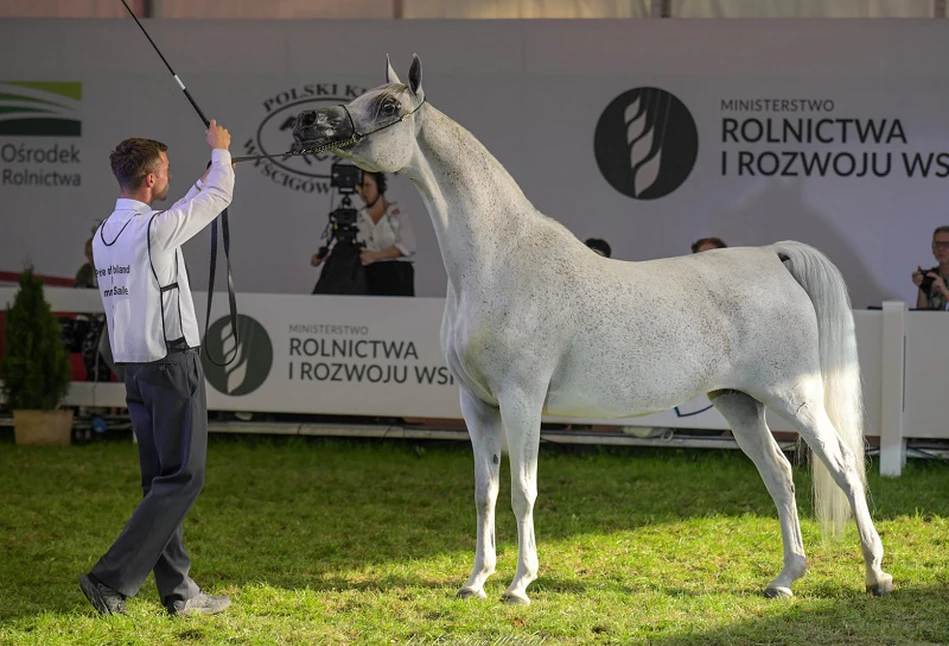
point(358, 136)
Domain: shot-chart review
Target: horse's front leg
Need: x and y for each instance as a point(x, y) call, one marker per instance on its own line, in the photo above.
point(522, 415)
point(484, 428)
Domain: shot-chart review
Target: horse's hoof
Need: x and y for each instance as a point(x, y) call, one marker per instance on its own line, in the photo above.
point(468, 593)
point(778, 592)
point(515, 600)
point(882, 588)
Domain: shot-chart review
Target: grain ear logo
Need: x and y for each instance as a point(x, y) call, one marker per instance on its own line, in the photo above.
point(250, 368)
point(40, 108)
point(646, 143)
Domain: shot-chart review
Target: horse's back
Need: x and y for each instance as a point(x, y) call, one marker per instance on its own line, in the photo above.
point(622, 338)
point(690, 296)
point(663, 331)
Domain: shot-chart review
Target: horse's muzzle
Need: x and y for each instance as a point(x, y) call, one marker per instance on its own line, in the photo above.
point(314, 128)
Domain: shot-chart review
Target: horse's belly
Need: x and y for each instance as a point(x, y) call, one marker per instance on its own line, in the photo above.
point(623, 383)
point(615, 399)
point(565, 407)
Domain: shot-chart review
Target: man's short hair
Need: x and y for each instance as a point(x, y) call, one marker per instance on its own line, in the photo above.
point(943, 229)
point(135, 158)
point(701, 242)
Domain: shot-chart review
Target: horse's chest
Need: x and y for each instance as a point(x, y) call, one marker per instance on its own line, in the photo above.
point(474, 353)
point(468, 351)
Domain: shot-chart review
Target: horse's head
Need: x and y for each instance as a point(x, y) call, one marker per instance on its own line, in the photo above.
point(380, 124)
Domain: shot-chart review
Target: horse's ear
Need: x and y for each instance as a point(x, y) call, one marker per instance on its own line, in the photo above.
point(415, 75)
point(391, 76)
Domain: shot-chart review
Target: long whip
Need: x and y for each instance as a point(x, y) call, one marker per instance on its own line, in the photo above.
point(225, 231)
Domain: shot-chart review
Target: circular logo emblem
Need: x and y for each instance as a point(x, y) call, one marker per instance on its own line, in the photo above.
point(247, 371)
point(646, 143)
point(275, 134)
point(308, 174)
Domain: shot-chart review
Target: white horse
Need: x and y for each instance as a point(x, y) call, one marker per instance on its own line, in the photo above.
point(535, 322)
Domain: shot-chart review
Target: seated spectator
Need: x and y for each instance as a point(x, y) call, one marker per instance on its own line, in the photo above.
point(94, 345)
point(932, 293)
point(86, 276)
point(600, 246)
point(705, 244)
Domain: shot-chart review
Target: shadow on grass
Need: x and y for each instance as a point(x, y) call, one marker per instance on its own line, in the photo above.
point(294, 512)
point(840, 615)
point(912, 615)
point(396, 508)
point(605, 612)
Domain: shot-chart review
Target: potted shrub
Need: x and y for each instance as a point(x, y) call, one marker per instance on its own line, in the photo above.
point(35, 367)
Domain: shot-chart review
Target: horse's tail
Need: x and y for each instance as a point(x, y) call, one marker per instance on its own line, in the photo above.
point(840, 369)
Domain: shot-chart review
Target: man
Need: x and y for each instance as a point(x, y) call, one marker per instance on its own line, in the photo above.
point(707, 244)
point(154, 334)
point(933, 293)
point(600, 246)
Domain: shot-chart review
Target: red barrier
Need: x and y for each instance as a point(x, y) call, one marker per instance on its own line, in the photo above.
point(13, 278)
point(55, 281)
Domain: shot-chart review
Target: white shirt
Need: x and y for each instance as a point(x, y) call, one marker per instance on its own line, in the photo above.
point(141, 271)
point(392, 230)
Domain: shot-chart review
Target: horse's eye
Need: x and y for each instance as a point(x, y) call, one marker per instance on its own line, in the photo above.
point(388, 109)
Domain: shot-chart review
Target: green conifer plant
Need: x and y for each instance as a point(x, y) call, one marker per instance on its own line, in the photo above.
point(35, 367)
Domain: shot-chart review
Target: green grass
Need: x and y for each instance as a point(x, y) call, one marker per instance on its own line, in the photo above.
point(345, 542)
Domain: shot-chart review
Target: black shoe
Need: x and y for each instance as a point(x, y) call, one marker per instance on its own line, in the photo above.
point(106, 600)
point(200, 604)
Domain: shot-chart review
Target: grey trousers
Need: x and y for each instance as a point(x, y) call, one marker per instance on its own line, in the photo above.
point(167, 402)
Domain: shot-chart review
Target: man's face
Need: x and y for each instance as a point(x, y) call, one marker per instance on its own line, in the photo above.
point(162, 177)
point(941, 247)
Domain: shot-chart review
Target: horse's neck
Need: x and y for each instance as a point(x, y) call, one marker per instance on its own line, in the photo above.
point(476, 207)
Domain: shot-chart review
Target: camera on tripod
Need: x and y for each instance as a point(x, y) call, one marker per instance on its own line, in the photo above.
point(345, 177)
point(343, 272)
point(342, 226)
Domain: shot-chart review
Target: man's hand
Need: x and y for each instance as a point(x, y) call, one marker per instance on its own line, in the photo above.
point(939, 284)
point(218, 136)
point(918, 276)
point(368, 257)
point(316, 260)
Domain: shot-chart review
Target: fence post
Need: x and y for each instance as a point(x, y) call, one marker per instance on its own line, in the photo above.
point(892, 401)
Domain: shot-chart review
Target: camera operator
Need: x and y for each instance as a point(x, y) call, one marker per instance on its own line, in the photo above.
point(386, 241)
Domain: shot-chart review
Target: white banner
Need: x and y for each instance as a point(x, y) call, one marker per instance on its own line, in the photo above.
point(830, 132)
point(332, 355)
point(381, 357)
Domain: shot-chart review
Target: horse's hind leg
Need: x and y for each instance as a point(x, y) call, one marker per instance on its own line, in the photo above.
point(484, 428)
point(805, 408)
point(745, 415)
